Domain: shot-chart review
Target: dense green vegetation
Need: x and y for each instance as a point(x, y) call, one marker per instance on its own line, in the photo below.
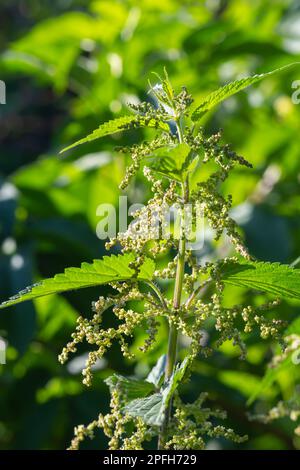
point(71, 66)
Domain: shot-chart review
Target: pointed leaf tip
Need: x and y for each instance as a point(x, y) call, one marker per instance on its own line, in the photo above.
point(232, 88)
point(108, 269)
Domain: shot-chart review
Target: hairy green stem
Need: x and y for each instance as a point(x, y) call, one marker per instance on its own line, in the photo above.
point(173, 332)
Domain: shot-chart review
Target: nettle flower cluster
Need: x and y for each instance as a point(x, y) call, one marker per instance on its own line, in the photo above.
point(158, 276)
point(141, 410)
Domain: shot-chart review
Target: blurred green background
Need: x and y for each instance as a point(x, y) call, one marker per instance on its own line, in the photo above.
point(69, 65)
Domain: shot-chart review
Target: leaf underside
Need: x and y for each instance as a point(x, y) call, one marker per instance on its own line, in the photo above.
point(130, 388)
point(156, 374)
point(152, 408)
point(108, 269)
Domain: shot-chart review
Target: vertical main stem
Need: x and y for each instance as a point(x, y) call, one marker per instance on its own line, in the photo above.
point(173, 333)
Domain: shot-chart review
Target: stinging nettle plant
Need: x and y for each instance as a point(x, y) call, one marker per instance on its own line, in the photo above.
point(145, 410)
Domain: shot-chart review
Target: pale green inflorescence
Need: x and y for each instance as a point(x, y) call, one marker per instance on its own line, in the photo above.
point(289, 408)
point(190, 424)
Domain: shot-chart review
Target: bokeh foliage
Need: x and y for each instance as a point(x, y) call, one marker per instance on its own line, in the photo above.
point(72, 64)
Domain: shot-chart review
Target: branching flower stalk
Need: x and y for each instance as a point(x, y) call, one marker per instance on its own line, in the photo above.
point(175, 190)
point(169, 178)
point(168, 187)
point(152, 409)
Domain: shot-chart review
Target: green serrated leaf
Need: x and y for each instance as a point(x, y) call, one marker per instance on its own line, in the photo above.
point(170, 162)
point(231, 89)
point(109, 269)
point(118, 125)
point(174, 381)
point(147, 269)
point(275, 278)
point(130, 388)
point(157, 372)
point(151, 409)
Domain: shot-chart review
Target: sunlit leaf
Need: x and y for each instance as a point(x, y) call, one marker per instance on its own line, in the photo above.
point(118, 125)
point(278, 279)
point(231, 89)
point(108, 269)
